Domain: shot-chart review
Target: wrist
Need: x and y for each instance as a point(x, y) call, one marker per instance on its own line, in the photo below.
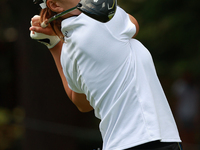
point(56, 47)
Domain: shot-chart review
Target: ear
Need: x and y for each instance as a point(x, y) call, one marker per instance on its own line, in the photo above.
point(54, 6)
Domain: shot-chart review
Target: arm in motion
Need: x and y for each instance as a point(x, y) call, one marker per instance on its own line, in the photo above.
point(78, 99)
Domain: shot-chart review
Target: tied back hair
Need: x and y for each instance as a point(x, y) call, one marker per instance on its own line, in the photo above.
point(55, 25)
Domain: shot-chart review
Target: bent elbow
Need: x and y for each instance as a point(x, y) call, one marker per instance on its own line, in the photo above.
point(85, 110)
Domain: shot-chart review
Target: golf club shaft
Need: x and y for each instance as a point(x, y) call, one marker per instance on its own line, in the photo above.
point(45, 23)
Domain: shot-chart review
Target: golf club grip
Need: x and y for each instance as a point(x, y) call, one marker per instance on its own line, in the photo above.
point(44, 24)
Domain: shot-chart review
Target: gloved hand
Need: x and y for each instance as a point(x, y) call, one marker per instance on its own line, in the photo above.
point(49, 40)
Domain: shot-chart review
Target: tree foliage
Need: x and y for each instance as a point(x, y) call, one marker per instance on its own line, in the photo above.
point(170, 31)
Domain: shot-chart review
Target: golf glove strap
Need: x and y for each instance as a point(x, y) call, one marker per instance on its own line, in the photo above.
point(48, 40)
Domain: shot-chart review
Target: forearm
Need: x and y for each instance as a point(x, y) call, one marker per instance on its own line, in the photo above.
point(78, 99)
point(55, 47)
point(56, 52)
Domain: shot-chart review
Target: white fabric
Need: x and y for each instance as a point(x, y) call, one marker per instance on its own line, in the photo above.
point(43, 5)
point(118, 77)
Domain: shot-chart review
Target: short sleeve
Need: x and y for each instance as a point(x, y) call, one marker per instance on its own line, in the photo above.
point(70, 72)
point(73, 86)
point(121, 26)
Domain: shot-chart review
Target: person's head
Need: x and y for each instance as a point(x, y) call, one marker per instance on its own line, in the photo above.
point(61, 5)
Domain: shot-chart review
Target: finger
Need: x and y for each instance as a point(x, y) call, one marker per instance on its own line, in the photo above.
point(35, 21)
point(36, 24)
point(36, 17)
point(47, 30)
point(37, 29)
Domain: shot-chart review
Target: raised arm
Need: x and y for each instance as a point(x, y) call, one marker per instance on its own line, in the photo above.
point(78, 99)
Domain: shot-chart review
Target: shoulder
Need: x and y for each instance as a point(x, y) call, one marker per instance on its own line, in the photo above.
point(121, 26)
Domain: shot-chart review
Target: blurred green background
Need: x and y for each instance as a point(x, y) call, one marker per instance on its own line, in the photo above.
point(35, 112)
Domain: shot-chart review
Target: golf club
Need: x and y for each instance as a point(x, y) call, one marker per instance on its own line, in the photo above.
point(100, 10)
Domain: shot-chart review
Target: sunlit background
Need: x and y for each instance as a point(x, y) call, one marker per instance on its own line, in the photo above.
point(35, 113)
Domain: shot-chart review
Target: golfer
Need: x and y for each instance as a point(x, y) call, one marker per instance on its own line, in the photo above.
point(104, 68)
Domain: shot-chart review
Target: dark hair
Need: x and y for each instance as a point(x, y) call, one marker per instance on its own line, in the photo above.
point(55, 25)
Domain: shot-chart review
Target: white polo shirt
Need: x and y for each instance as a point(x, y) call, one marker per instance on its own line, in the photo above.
point(117, 75)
